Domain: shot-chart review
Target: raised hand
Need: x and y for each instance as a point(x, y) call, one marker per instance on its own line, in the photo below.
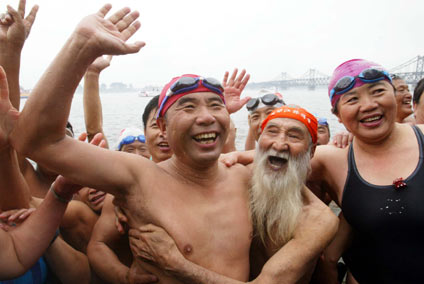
point(108, 36)
point(100, 64)
point(8, 114)
point(15, 27)
point(233, 89)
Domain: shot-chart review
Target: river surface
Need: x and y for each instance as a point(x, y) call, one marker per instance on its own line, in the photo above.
point(121, 110)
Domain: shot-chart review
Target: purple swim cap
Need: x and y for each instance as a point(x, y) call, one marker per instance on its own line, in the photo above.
point(352, 68)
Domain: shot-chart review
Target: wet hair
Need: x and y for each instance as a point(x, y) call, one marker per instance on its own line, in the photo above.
point(70, 128)
point(418, 91)
point(152, 105)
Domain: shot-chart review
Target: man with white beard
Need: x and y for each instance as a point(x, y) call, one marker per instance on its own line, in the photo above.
point(279, 202)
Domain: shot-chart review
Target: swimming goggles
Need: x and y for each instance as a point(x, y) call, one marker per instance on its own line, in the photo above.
point(187, 84)
point(322, 121)
point(267, 100)
point(130, 139)
point(369, 75)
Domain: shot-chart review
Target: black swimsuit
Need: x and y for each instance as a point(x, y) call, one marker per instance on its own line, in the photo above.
point(388, 224)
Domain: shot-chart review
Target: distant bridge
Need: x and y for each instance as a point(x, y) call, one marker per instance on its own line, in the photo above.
point(411, 71)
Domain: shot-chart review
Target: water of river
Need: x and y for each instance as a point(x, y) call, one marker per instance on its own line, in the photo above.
point(122, 110)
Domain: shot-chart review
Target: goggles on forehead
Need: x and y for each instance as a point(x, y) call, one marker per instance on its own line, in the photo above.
point(369, 75)
point(187, 84)
point(266, 100)
point(131, 139)
point(322, 121)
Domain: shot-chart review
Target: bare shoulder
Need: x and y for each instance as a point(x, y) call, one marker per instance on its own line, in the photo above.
point(238, 171)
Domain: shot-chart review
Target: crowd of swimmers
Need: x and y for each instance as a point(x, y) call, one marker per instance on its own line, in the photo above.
point(174, 202)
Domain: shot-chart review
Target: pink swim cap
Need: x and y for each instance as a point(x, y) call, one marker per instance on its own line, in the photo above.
point(351, 68)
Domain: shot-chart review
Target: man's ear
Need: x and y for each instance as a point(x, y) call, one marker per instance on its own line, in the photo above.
point(162, 125)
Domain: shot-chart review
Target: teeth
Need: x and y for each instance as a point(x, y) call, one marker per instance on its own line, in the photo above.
point(371, 119)
point(206, 136)
point(163, 144)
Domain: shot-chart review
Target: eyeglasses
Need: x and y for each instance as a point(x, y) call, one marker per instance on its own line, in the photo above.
point(322, 121)
point(130, 139)
point(268, 100)
point(369, 75)
point(186, 84)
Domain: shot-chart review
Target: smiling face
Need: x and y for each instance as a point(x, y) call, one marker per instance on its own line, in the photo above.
point(369, 111)
point(287, 136)
point(403, 99)
point(156, 142)
point(138, 148)
point(323, 135)
point(197, 127)
point(257, 117)
point(93, 198)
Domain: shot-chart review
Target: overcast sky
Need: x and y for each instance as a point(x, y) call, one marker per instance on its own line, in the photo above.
point(209, 37)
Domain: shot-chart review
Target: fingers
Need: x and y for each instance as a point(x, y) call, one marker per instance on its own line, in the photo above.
point(97, 139)
point(224, 81)
point(134, 47)
point(21, 8)
point(26, 213)
point(104, 10)
point(130, 30)
point(14, 14)
point(103, 144)
point(233, 77)
point(127, 21)
point(119, 15)
point(244, 82)
point(31, 16)
point(239, 78)
point(16, 215)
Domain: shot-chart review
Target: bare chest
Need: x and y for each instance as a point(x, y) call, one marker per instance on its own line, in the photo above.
point(211, 226)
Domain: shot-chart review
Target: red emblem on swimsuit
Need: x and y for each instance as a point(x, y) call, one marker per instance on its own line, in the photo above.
point(399, 183)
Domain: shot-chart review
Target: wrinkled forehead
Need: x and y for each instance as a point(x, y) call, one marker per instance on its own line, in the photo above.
point(287, 124)
point(197, 98)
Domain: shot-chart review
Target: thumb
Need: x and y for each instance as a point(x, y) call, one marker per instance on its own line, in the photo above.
point(244, 100)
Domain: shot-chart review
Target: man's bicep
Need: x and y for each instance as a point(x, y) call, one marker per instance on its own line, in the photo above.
point(91, 166)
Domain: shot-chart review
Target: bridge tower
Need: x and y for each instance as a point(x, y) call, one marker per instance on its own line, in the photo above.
point(419, 72)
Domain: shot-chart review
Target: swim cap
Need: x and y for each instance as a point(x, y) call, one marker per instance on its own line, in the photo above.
point(351, 68)
point(130, 132)
point(173, 98)
point(297, 113)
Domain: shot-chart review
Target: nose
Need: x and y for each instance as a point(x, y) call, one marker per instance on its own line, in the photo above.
point(204, 116)
point(280, 144)
point(368, 103)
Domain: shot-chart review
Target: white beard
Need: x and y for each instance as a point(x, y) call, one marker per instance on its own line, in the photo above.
point(276, 196)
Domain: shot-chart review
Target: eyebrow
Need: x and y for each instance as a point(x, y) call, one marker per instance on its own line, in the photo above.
point(375, 84)
point(216, 98)
point(296, 129)
point(184, 100)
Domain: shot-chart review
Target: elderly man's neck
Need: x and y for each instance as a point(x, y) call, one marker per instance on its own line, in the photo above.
point(201, 173)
